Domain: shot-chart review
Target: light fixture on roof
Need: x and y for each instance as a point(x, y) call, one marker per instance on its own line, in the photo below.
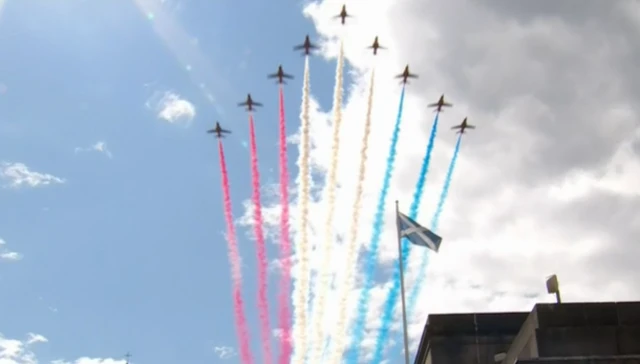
point(553, 287)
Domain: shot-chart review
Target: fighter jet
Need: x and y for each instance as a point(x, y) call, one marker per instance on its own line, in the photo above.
point(307, 46)
point(280, 75)
point(463, 126)
point(405, 75)
point(219, 131)
point(440, 104)
point(249, 103)
point(343, 14)
point(375, 46)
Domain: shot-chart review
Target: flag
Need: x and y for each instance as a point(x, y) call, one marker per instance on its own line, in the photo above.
point(417, 234)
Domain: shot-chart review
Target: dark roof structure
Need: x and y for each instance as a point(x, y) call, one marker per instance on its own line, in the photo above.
point(607, 332)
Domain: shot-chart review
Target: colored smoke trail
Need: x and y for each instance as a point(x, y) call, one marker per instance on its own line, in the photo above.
point(326, 268)
point(234, 260)
point(285, 242)
point(394, 292)
point(372, 258)
point(435, 222)
point(346, 282)
point(263, 303)
point(301, 289)
point(424, 170)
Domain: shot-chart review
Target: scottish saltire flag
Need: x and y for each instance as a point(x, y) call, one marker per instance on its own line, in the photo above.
point(417, 234)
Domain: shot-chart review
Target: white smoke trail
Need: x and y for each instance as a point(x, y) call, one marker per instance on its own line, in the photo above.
point(339, 336)
point(302, 244)
point(325, 272)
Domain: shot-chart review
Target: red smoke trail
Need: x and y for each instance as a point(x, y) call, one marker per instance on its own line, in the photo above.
point(285, 242)
point(263, 304)
point(234, 260)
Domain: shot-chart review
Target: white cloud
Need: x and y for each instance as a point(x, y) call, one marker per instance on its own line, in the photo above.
point(100, 147)
point(19, 175)
point(36, 338)
point(13, 351)
point(224, 352)
point(87, 360)
point(10, 256)
point(172, 108)
point(6, 254)
point(547, 183)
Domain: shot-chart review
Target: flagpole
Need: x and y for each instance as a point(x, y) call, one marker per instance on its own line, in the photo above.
point(404, 308)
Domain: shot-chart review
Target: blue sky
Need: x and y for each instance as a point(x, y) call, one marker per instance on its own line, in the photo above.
point(128, 253)
point(123, 249)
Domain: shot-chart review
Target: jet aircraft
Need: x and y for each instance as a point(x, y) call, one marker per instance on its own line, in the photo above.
point(405, 75)
point(307, 46)
point(463, 126)
point(249, 103)
point(343, 14)
point(219, 131)
point(280, 75)
point(375, 46)
point(440, 104)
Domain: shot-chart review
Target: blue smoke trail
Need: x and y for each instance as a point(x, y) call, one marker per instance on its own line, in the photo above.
point(372, 258)
point(435, 222)
point(394, 292)
point(424, 170)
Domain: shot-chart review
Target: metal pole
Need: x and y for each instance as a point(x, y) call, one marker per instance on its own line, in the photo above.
point(558, 300)
point(404, 308)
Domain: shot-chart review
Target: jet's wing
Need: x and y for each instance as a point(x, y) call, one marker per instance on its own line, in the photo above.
point(285, 75)
point(435, 104)
point(457, 127)
point(256, 103)
point(211, 131)
point(412, 76)
point(272, 75)
point(243, 103)
point(299, 47)
point(225, 131)
point(447, 104)
point(471, 126)
point(400, 75)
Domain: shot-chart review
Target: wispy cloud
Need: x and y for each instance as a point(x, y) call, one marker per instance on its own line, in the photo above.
point(36, 338)
point(19, 175)
point(6, 254)
point(87, 360)
point(100, 147)
point(224, 352)
point(13, 351)
point(171, 107)
point(10, 256)
point(17, 352)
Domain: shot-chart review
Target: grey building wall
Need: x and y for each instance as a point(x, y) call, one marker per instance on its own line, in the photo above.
point(578, 329)
point(634, 359)
point(468, 338)
point(567, 333)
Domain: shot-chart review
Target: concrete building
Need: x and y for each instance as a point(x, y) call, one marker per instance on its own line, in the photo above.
point(571, 333)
